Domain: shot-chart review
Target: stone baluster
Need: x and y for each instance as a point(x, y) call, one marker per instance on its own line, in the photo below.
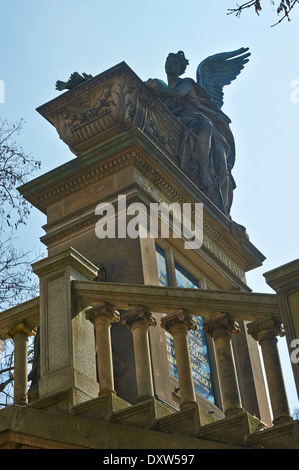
point(20, 334)
point(178, 323)
point(139, 320)
point(221, 328)
point(102, 317)
point(265, 331)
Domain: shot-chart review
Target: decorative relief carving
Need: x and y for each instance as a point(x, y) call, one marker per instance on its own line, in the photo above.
point(178, 318)
point(265, 326)
point(105, 312)
point(137, 315)
point(113, 102)
point(165, 136)
point(219, 324)
point(89, 115)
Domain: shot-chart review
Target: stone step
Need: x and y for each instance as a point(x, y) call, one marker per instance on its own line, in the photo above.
point(280, 436)
point(142, 414)
point(101, 408)
point(186, 421)
point(234, 429)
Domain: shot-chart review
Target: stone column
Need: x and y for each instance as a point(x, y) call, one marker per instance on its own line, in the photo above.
point(221, 328)
point(265, 331)
point(178, 323)
point(139, 320)
point(102, 317)
point(20, 334)
point(285, 281)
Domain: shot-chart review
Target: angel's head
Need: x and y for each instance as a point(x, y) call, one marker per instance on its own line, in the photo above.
point(176, 63)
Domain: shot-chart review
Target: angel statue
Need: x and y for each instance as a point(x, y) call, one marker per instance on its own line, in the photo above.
point(207, 149)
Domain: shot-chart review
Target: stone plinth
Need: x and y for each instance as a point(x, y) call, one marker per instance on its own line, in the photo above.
point(67, 352)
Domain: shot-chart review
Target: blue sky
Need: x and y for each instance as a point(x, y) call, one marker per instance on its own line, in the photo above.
point(45, 41)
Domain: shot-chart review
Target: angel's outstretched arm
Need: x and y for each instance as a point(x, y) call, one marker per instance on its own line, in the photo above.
point(182, 89)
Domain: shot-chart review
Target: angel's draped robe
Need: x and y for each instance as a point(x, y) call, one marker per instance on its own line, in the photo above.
point(207, 150)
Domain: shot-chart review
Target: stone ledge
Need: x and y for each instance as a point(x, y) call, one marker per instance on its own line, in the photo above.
point(186, 421)
point(281, 436)
point(142, 414)
point(23, 426)
point(101, 408)
point(233, 429)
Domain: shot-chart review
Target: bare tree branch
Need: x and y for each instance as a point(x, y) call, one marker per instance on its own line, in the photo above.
point(284, 8)
point(16, 278)
point(16, 284)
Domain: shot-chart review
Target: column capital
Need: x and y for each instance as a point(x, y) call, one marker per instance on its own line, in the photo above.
point(139, 315)
point(21, 329)
point(265, 327)
point(178, 318)
point(104, 311)
point(221, 324)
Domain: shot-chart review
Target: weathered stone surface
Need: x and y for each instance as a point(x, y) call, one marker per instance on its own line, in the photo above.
point(21, 426)
point(285, 281)
point(108, 105)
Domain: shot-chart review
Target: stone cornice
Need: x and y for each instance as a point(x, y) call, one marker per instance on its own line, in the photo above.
point(71, 178)
point(114, 122)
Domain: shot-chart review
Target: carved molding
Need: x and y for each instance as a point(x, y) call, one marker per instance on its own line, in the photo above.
point(221, 324)
point(21, 329)
point(265, 327)
point(104, 312)
point(108, 105)
point(178, 318)
point(109, 167)
point(138, 315)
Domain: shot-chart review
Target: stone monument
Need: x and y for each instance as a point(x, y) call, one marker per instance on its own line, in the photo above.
point(147, 330)
point(129, 142)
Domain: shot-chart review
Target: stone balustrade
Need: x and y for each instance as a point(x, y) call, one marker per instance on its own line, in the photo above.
point(100, 303)
point(18, 324)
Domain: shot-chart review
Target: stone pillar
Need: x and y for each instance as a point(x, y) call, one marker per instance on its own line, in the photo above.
point(178, 323)
point(139, 320)
point(67, 359)
point(285, 281)
point(102, 317)
point(265, 331)
point(221, 328)
point(20, 334)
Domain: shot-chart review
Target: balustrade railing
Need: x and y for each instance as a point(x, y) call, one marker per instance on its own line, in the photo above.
point(18, 324)
point(101, 302)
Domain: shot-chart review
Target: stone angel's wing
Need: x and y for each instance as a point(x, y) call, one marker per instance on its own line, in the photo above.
point(219, 70)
